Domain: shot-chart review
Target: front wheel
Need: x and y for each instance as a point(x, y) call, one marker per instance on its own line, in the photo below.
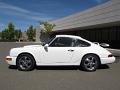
point(90, 62)
point(25, 62)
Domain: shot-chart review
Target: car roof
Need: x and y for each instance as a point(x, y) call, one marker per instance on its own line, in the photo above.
point(75, 37)
point(70, 36)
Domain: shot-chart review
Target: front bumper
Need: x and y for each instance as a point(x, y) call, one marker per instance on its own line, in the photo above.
point(107, 60)
point(10, 60)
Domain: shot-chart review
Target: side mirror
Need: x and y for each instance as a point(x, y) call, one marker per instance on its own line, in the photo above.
point(46, 46)
point(104, 45)
point(43, 43)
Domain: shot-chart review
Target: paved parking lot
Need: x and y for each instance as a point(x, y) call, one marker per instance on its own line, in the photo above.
point(56, 78)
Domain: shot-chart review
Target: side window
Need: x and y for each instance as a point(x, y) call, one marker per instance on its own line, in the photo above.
point(80, 43)
point(62, 42)
point(53, 44)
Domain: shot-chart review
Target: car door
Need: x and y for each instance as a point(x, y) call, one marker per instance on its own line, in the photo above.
point(59, 51)
point(80, 49)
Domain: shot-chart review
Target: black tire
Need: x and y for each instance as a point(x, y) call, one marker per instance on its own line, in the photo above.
point(90, 62)
point(25, 62)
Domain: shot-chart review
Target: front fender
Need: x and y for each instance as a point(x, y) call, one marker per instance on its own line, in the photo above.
point(35, 52)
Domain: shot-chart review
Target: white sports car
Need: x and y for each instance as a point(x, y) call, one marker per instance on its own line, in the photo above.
point(62, 50)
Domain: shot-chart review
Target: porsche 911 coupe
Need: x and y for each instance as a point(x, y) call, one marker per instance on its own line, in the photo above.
point(63, 50)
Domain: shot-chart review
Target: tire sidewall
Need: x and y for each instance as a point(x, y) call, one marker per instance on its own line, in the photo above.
point(32, 60)
point(97, 61)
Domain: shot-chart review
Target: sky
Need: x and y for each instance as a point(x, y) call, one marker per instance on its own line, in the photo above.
point(23, 13)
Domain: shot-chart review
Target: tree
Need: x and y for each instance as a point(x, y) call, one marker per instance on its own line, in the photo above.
point(31, 33)
point(10, 33)
point(4, 34)
point(18, 34)
point(0, 32)
point(0, 35)
point(0, 26)
point(46, 31)
point(47, 27)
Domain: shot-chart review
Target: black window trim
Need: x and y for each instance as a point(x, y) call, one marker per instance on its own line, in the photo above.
point(52, 41)
point(61, 37)
point(82, 41)
point(75, 39)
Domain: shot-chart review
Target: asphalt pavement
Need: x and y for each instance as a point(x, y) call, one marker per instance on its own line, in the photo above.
point(56, 78)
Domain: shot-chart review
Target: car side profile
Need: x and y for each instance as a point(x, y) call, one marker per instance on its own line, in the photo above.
point(62, 50)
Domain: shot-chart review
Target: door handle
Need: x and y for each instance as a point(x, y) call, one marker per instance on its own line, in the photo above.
point(70, 50)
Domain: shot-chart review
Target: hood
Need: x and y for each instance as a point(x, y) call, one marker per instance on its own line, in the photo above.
point(17, 50)
point(32, 46)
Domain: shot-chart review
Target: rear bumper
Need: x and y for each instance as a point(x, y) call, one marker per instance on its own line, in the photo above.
point(10, 60)
point(107, 60)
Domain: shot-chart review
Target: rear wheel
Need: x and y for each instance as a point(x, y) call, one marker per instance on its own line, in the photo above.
point(90, 62)
point(25, 62)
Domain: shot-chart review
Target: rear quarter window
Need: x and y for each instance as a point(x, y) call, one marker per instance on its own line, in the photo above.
point(81, 43)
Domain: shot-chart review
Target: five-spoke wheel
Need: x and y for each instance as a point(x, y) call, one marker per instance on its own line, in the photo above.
point(25, 62)
point(90, 62)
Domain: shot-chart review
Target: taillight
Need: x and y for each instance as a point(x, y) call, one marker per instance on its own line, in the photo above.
point(110, 55)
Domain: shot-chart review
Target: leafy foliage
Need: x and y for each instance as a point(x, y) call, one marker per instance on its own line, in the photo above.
point(18, 34)
point(47, 27)
point(31, 33)
point(10, 33)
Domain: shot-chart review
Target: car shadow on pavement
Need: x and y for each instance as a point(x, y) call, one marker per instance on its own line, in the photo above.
point(67, 67)
point(60, 67)
point(105, 66)
point(12, 67)
point(57, 67)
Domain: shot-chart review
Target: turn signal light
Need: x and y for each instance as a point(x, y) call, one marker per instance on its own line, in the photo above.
point(8, 58)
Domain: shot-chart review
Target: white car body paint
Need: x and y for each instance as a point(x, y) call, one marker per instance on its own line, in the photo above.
point(61, 55)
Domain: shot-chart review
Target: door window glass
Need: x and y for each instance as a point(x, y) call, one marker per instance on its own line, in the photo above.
point(62, 42)
point(81, 43)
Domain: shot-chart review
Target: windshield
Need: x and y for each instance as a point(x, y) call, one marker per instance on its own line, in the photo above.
point(48, 41)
